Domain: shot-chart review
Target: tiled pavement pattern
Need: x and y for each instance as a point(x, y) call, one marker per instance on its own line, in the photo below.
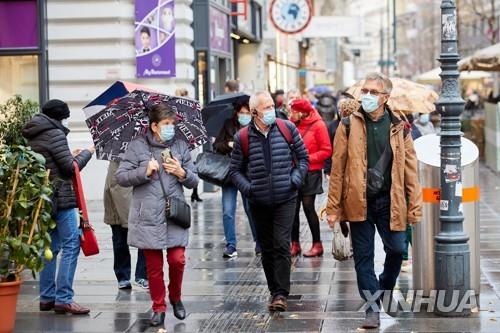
point(230, 295)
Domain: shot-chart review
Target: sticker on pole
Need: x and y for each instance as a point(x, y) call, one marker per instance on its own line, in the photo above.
point(444, 205)
point(451, 173)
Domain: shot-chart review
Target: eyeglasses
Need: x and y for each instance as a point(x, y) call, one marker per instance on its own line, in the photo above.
point(372, 92)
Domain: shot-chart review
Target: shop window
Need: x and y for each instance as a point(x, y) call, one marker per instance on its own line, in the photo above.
point(19, 76)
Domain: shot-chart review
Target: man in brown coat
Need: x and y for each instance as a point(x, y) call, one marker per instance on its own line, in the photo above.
point(374, 184)
point(116, 207)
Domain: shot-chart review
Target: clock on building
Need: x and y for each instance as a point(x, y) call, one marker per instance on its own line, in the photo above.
point(290, 16)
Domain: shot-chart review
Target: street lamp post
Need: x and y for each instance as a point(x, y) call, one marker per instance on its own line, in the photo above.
point(452, 250)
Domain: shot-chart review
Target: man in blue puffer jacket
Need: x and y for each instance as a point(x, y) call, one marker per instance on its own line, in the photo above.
point(268, 164)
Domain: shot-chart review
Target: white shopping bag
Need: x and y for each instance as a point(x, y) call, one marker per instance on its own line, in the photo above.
point(341, 246)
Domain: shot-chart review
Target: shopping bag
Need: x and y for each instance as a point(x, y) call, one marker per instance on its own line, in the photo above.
point(341, 245)
point(88, 240)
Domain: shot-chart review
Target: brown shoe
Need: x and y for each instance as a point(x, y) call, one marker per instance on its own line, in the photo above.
point(315, 251)
point(280, 303)
point(295, 249)
point(47, 306)
point(73, 308)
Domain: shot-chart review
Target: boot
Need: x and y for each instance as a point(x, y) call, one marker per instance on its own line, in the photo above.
point(295, 249)
point(195, 196)
point(315, 251)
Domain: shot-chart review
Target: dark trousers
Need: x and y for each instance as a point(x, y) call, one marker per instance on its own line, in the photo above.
point(363, 243)
point(121, 254)
point(307, 202)
point(274, 225)
point(176, 263)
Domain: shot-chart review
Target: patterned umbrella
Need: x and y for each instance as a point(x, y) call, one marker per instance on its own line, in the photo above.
point(117, 124)
point(406, 96)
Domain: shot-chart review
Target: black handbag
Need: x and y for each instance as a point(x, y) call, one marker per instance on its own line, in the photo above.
point(213, 168)
point(375, 175)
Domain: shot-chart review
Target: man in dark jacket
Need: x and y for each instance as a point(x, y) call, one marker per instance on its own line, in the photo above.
point(46, 135)
point(264, 170)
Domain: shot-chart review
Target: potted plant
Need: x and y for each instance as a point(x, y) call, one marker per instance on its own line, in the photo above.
point(25, 207)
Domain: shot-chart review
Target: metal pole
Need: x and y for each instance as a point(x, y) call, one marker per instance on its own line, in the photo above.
point(452, 250)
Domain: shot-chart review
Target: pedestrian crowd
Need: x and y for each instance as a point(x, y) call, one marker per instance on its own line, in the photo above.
point(281, 148)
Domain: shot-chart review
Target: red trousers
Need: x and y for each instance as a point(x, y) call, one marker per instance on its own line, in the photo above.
point(154, 265)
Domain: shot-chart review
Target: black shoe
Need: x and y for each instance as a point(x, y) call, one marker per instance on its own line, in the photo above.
point(157, 319)
point(179, 310)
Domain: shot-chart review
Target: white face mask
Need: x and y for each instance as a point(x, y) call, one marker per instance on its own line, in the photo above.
point(65, 122)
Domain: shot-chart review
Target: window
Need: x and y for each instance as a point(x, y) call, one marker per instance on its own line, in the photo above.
point(19, 76)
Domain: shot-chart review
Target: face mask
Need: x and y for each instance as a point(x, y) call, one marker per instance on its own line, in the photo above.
point(369, 102)
point(269, 117)
point(65, 122)
point(167, 132)
point(244, 119)
point(424, 119)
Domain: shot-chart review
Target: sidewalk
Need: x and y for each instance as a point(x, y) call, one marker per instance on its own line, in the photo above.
point(230, 295)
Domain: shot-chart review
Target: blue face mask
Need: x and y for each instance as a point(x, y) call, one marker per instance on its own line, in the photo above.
point(167, 132)
point(369, 102)
point(424, 119)
point(244, 119)
point(269, 117)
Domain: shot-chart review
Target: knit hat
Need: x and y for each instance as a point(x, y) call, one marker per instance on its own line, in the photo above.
point(301, 105)
point(56, 109)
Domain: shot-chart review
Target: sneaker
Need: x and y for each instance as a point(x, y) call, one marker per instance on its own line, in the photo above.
point(143, 283)
point(124, 285)
point(372, 320)
point(406, 266)
point(230, 252)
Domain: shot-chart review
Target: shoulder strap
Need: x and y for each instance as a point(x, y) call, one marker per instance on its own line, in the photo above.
point(159, 172)
point(347, 124)
point(244, 141)
point(285, 131)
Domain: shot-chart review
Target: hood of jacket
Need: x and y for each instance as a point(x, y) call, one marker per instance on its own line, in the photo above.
point(41, 123)
point(306, 122)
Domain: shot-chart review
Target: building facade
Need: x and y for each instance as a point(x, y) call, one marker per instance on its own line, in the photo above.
point(84, 47)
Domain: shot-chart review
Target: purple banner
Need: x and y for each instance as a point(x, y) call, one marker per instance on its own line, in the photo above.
point(18, 24)
point(219, 31)
point(155, 38)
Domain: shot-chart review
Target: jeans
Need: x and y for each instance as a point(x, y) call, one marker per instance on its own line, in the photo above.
point(154, 262)
point(121, 254)
point(65, 238)
point(274, 227)
point(229, 200)
point(363, 243)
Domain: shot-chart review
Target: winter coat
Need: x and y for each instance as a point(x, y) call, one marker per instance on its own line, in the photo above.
point(347, 191)
point(226, 135)
point(332, 129)
point(48, 137)
point(315, 135)
point(425, 129)
point(147, 223)
point(116, 199)
point(268, 175)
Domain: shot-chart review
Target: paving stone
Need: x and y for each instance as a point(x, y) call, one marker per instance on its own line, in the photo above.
point(224, 295)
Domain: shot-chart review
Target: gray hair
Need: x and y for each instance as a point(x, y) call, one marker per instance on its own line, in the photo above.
point(253, 103)
point(380, 78)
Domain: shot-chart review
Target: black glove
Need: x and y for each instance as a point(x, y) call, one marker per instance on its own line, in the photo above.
point(344, 228)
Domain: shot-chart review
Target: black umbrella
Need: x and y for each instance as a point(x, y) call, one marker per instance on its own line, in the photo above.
point(219, 110)
point(117, 124)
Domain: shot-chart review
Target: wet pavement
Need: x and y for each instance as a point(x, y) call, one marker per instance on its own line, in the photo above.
point(224, 295)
